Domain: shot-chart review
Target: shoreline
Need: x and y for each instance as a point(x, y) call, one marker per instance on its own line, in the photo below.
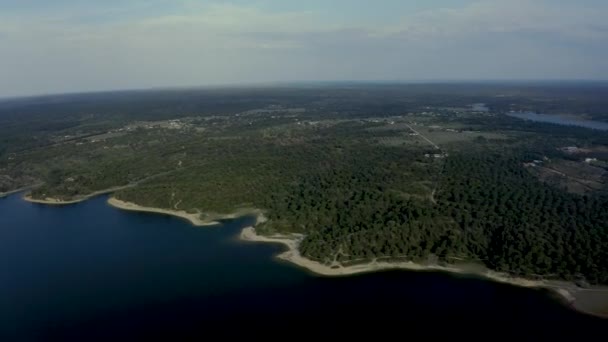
point(12, 192)
point(194, 219)
point(59, 202)
point(565, 291)
point(293, 255)
point(78, 199)
point(53, 201)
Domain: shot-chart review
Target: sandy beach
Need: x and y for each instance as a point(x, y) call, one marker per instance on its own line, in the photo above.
point(194, 218)
point(53, 201)
point(293, 255)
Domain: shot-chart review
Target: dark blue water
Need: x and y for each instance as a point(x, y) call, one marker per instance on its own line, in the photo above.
point(560, 120)
point(91, 272)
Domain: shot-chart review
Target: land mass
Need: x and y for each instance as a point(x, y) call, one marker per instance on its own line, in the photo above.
point(432, 174)
point(590, 301)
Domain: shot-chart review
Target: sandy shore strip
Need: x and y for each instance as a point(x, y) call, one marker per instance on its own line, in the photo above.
point(54, 201)
point(194, 218)
point(293, 255)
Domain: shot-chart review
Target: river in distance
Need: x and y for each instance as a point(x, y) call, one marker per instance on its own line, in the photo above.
point(91, 272)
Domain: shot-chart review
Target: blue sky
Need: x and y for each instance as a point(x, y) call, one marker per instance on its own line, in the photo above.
point(83, 45)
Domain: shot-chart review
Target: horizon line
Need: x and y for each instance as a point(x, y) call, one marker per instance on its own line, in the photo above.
point(287, 84)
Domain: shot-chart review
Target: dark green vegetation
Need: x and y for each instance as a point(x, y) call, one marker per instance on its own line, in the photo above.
point(365, 172)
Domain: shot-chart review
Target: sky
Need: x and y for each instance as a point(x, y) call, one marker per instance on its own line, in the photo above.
point(86, 45)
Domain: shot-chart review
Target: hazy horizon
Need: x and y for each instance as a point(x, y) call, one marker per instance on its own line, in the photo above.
point(70, 46)
point(295, 84)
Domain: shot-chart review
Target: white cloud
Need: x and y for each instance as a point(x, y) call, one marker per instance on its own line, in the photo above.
point(501, 16)
point(231, 18)
point(229, 43)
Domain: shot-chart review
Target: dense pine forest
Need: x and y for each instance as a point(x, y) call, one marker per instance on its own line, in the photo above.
point(488, 209)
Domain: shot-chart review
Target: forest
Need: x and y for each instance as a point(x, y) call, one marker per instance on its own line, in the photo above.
point(365, 172)
point(487, 209)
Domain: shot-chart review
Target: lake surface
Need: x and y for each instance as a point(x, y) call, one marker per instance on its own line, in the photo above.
point(560, 120)
point(91, 272)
